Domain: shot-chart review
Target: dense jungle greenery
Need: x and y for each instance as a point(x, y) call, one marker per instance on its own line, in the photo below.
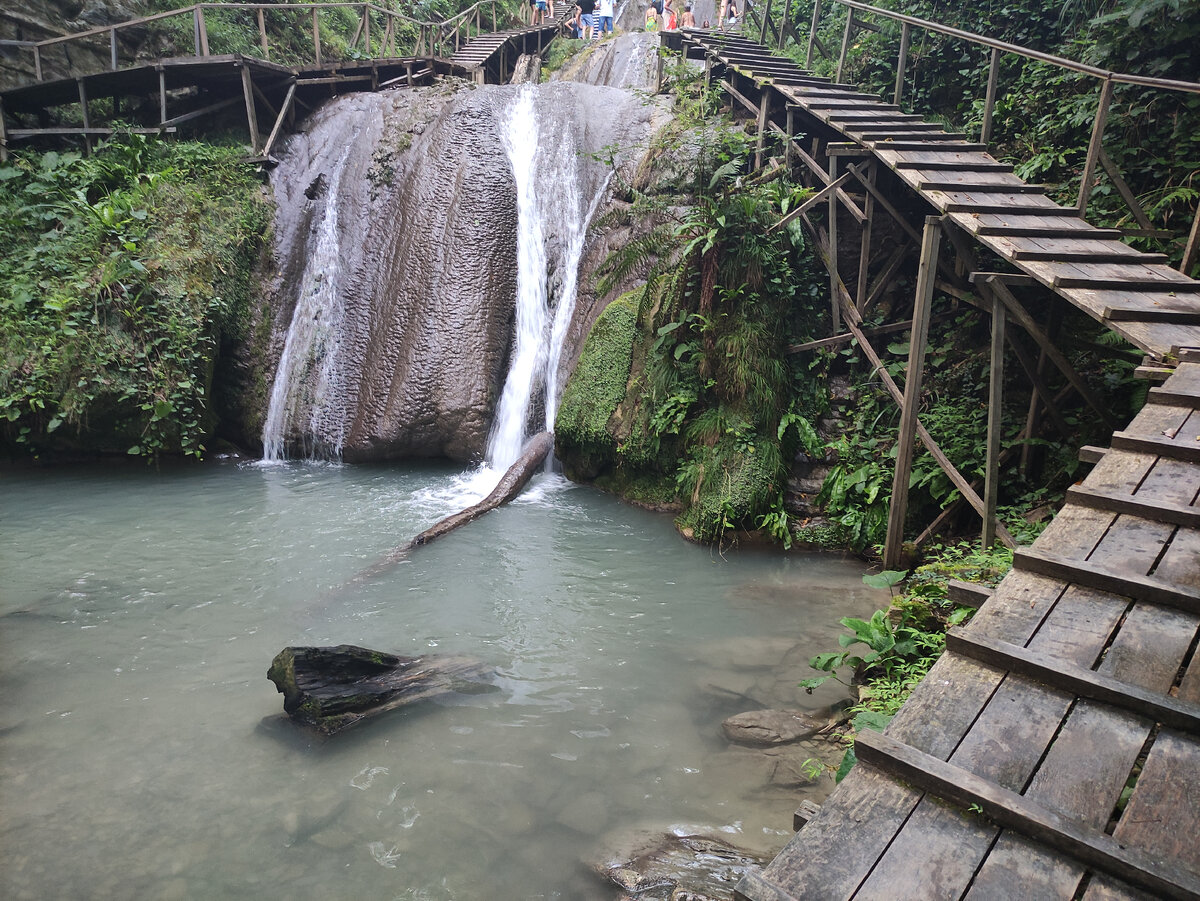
point(123, 274)
point(1044, 114)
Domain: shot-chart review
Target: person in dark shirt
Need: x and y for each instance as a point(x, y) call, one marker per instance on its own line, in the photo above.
point(587, 14)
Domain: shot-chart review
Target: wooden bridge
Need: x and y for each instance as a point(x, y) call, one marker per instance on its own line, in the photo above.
point(163, 96)
point(1054, 750)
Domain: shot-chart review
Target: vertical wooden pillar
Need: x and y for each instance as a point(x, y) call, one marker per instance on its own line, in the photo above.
point(196, 31)
point(1097, 141)
point(262, 34)
point(926, 273)
point(835, 310)
point(367, 28)
point(764, 109)
point(112, 48)
point(251, 114)
point(37, 62)
point(791, 136)
point(989, 104)
point(991, 484)
point(864, 256)
point(202, 30)
point(1189, 252)
point(901, 62)
point(3, 135)
point(1033, 419)
point(762, 28)
point(316, 30)
point(87, 119)
point(812, 34)
point(162, 95)
point(845, 44)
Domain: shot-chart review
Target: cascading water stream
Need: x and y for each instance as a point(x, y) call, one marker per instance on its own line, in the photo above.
point(552, 227)
point(307, 370)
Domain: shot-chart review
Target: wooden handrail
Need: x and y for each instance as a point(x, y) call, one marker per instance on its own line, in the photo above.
point(1168, 84)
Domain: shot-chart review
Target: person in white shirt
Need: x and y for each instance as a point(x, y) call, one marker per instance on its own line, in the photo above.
point(605, 17)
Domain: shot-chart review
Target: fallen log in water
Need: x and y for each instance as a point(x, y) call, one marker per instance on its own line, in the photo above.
point(332, 688)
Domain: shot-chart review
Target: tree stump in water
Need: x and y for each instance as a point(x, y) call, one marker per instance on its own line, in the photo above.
point(332, 688)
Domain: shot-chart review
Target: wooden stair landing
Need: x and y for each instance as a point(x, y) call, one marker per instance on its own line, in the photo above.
point(1006, 773)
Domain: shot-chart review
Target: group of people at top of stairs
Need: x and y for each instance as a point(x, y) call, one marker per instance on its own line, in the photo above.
point(661, 16)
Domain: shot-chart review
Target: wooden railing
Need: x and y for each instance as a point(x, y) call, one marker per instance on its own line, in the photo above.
point(380, 32)
point(857, 19)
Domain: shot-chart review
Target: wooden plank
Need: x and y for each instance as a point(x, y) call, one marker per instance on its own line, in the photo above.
point(1146, 652)
point(1090, 575)
point(825, 861)
point(1011, 810)
point(1166, 447)
point(1082, 682)
point(967, 594)
point(1117, 502)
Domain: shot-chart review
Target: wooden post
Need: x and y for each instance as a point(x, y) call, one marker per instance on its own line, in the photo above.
point(762, 28)
point(162, 95)
point(845, 44)
point(1189, 253)
point(1033, 418)
point(494, 28)
point(316, 30)
point(901, 62)
point(196, 30)
point(3, 135)
point(991, 485)
point(87, 119)
point(989, 104)
point(367, 28)
point(783, 21)
point(1093, 155)
point(791, 131)
point(251, 115)
point(284, 112)
point(764, 107)
point(926, 272)
point(812, 33)
point(834, 285)
point(864, 255)
point(112, 47)
point(262, 34)
point(202, 29)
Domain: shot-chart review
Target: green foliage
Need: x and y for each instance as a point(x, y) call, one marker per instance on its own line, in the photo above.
point(1044, 114)
point(122, 272)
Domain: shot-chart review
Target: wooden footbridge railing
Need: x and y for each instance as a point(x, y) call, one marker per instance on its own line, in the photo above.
point(1053, 751)
point(354, 46)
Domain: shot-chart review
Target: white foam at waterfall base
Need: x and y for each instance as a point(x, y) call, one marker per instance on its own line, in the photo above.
point(307, 371)
point(552, 221)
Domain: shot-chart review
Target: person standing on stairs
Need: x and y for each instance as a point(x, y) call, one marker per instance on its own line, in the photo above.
point(587, 14)
point(605, 23)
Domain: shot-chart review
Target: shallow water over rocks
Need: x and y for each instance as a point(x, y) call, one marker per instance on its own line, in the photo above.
point(141, 609)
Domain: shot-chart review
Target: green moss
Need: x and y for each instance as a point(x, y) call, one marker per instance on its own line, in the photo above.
point(584, 440)
point(733, 486)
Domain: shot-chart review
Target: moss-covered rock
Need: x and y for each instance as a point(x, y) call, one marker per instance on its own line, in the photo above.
point(586, 443)
point(733, 486)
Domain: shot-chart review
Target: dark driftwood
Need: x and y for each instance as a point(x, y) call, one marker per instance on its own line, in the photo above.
point(332, 688)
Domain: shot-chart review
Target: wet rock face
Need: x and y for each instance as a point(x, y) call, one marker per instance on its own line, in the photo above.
point(413, 347)
point(671, 867)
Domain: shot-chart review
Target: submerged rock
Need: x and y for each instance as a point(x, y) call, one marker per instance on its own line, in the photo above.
point(771, 727)
point(669, 867)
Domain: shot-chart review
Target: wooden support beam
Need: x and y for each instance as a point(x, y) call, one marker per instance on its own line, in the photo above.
point(1061, 674)
point(1114, 175)
point(886, 278)
point(203, 111)
point(991, 488)
point(845, 44)
point(279, 120)
point(3, 135)
point(1010, 810)
point(162, 95)
point(262, 34)
point(87, 119)
point(989, 103)
point(812, 35)
point(1042, 395)
point(202, 30)
point(1019, 314)
point(832, 257)
point(1192, 249)
point(262, 98)
point(764, 108)
point(316, 36)
point(1090, 575)
point(1094, 146)
point(861, 288)
point(810, 202)
point(901, 62)
point(112, 48)
point(922, 308)
point(251, 113)
point(874, 192)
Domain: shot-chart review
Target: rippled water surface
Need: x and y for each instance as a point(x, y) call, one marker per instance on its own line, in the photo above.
point(141, 754)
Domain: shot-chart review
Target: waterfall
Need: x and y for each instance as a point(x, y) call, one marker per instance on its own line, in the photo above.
point(307, 373)
point(551, 231)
